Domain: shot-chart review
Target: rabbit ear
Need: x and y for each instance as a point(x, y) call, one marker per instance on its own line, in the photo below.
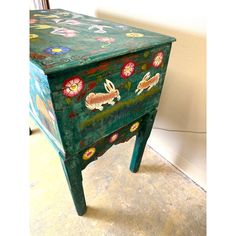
point(146, 76)
point(107, 87)
point(110, 85)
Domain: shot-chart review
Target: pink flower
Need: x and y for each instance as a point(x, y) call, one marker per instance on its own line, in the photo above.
point(71, 22)
point(64, 32)
point(113, 137)
point(70, 33)
point(32, 21)
point(127, 69)
point(158, 59)
point(105, 39)
point(72, 86)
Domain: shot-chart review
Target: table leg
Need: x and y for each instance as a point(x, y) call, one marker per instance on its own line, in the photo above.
point(141, 140)
point(74, 178)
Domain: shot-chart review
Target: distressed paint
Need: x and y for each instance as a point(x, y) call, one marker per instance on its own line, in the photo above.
point(93, 84)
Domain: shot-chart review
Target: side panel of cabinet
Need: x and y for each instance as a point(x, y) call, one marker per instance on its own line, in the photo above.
point(41, 106)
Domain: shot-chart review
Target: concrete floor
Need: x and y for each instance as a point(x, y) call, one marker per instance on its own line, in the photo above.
point(158, 200)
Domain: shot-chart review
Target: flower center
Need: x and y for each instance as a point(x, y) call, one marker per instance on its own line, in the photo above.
point(89, 153)
point(73, 87)
point(56, 50)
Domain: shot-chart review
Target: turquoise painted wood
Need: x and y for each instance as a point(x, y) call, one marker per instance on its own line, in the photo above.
point(93, 84)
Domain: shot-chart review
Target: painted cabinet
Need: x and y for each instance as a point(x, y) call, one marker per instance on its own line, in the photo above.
point(93, 83)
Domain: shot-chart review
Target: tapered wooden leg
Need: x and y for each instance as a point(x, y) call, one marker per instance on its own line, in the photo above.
point(74, 178)
point(141, 140)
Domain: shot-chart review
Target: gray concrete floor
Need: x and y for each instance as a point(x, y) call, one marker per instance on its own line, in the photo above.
point(158, 200)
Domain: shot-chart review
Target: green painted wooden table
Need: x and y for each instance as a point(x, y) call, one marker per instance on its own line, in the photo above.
point(93, 84)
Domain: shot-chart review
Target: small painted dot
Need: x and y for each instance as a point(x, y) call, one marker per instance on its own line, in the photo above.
point(146, 54)
point(144, 67)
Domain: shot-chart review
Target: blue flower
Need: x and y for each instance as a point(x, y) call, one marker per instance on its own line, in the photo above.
point(57, 50)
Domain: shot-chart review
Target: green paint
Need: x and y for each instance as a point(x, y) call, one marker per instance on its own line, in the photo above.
point(128, 85)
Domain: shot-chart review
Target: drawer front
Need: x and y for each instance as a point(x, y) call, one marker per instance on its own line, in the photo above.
point(93, 101)
point(98, 148)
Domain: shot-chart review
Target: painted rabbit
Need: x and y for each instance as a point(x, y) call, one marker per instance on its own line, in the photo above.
point(147, 83)
point(96, 100)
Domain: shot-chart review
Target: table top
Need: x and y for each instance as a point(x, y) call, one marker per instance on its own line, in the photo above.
point(61, 39)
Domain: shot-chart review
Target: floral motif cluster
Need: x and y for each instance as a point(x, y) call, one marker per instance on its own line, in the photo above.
point(112, 138)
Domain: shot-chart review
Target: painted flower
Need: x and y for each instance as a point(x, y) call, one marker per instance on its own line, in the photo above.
point(32, 21)
point(63, 13)
point(134, 126)
point(99, 28)
point(33, 36)
point(71, 22)
point(64, 32)
point(46, 16)
point(72, 86)
point(158, 59)
point(105, 39)
point(41, 26)
point(134, 35)
point(58, 50)
point(56, 20)
point(89, 153)
point(113, 137)
point(127, 69)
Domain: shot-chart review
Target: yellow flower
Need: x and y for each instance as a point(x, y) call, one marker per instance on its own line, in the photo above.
point(33, 36)
point(134, 126)
point(134, 35)
point(89, 153)
point(46, 16)
point(42, 26)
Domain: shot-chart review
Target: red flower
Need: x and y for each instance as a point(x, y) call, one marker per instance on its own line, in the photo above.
point(127, 69)
point(32, 21)
point(158, 59)
point(72, 86)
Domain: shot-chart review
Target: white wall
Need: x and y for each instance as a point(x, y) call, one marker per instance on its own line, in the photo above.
point(182, 104)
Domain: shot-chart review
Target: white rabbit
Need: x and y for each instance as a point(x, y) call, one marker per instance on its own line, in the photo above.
point(96, 100)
